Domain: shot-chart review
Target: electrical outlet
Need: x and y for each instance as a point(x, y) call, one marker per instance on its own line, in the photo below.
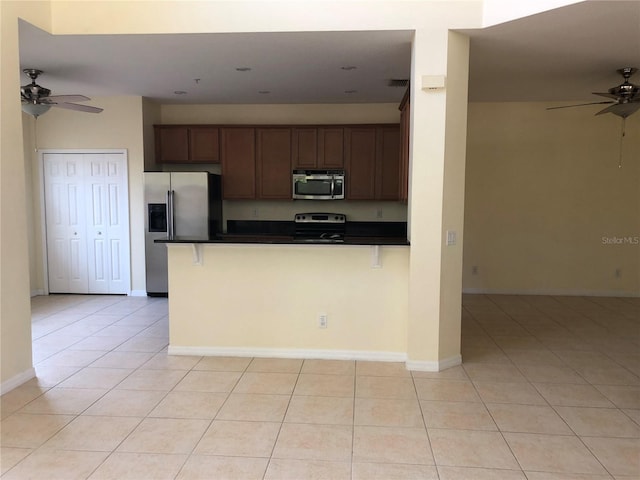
point(474, 270)
point(255, 213)
point(618, 273)
point(379, 213)
point(322, 320)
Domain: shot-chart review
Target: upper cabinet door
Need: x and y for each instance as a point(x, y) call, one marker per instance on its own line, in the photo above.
point(372, 162)
point(172, 144)
point(238, 156)
point(273, 163)
point(304, 147)
point(204, 145)
point(387, 163)
point(330, 148)
point(184, 144)
point(321, 148)
point(360, 150)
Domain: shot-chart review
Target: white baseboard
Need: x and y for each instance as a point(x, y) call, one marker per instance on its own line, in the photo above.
point(550, 291)
point(37, 292)
point(17, 380)
point(288, 353)
point(137, 293)
point(437, 366)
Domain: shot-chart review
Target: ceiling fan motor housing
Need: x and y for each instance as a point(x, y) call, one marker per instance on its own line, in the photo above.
point(33, 92)
point(627, 90)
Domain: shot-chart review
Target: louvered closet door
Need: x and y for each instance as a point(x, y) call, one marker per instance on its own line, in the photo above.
point(65, 223)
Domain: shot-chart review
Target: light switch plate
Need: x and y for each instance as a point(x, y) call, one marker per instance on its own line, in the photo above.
point(451, 237)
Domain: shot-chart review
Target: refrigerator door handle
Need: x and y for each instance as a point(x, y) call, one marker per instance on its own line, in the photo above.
point(170, 215)
point(173, 215)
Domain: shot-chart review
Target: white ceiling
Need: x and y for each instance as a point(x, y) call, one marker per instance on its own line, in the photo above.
point(564, 54)
point(300, 67)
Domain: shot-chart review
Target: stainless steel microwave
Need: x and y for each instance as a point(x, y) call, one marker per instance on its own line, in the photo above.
point(318, 184)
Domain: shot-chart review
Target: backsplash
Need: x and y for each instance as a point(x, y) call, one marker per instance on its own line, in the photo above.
point(285, 210)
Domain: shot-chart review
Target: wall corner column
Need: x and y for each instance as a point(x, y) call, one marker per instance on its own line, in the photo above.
point(436, 199)
point(15, 308)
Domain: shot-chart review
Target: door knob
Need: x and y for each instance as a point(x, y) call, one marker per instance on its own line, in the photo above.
point(99, 233)
point(75, 233)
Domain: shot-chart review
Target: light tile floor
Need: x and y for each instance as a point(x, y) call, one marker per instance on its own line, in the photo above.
point(549, 390)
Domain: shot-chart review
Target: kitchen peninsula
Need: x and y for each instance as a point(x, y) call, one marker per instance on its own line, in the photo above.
point(268, 288)
point(265, 296)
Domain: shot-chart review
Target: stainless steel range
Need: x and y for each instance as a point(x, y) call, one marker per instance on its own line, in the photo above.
point(320, 227)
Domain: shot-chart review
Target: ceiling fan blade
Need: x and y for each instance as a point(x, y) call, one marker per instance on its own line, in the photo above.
point(579, 105)
point(77, 107)
point(66, 98)
point(608, 95)
point(621, 109)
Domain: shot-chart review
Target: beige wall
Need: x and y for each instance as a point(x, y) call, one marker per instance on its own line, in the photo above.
point(453, 201)
point(261, 300)
point(282, 114)
point(34, 232)
point(150, 117)
point(436, 197)
point(15, 311)
point(119, 126)
point(542, 190)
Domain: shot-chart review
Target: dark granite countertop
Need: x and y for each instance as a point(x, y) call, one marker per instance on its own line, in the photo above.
point(282, 233)
point(290, 240)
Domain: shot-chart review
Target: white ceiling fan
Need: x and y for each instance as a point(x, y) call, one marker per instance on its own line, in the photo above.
point(37, 100)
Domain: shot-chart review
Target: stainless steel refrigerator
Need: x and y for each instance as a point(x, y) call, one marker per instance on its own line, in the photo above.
point(178, 205)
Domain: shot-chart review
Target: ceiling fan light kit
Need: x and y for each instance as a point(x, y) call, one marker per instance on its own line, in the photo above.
point(37, 100)
point(35, 109)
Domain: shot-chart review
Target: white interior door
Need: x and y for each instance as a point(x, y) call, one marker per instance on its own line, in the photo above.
point(97, 211)
point(107, 223)
point(66, 239)
point(101, 201)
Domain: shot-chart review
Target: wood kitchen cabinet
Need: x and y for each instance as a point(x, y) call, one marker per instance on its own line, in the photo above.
point(204, 145)
point(372, 162)
point(238, 156)
point(187, 144)
point(304, 147)
point(360, 152)
point(273, 163)
point(321, 148)
point(387, 163)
